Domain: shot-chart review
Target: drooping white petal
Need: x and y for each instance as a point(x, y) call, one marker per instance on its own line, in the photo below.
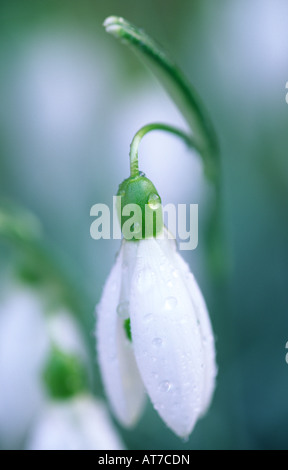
point(210, 368)
point(64, 333)
point(24, 346)
point(203, 319)
point(81, 423)
point(120, 374)
point(166, 337)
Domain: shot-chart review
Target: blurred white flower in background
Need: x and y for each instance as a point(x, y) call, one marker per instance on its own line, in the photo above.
point(24, 345)
point(29, 336)
point(63, 332)
point(81, 423)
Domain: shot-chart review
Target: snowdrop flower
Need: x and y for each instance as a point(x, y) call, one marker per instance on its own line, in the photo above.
point(81, 423)
point(72, 419)
point(153, 329)
point(26, 336)
point(37, 349)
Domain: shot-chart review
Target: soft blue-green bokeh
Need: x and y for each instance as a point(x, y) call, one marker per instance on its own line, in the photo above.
point(71, 100)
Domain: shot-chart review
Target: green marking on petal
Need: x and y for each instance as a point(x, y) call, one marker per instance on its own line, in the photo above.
point(127, 328)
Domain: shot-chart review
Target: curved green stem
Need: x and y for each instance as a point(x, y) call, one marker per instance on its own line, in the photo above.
point(134, 167)
point(180, 90)
point(192, 109)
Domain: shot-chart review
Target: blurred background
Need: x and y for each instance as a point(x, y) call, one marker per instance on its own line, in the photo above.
point(71, 100)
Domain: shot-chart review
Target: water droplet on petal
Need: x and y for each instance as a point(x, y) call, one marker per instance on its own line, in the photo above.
point(170, 303)
point(136, 228)
point(123, 310)
point(154, 202)
point(175, 273)
point(165, 386)
point(157, 342)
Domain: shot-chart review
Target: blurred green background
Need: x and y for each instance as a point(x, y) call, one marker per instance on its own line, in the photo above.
point(71, 100)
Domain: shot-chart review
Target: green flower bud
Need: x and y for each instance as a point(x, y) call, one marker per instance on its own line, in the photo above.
point(139, 208)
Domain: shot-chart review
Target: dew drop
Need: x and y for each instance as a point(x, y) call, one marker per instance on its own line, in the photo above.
point(157, 342)
point(170, 303)
point(123, 310)
point(136, 228)
point(141, 173)
point(154, 202)
point(165, 386)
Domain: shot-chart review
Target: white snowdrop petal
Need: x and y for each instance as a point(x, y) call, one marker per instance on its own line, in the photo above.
point(64, 333)
point(96, 424)
point(166, 338)
point(78, 424)
point(129, 253)
point(24, 346)
point(210, 367)
point(119, 371)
